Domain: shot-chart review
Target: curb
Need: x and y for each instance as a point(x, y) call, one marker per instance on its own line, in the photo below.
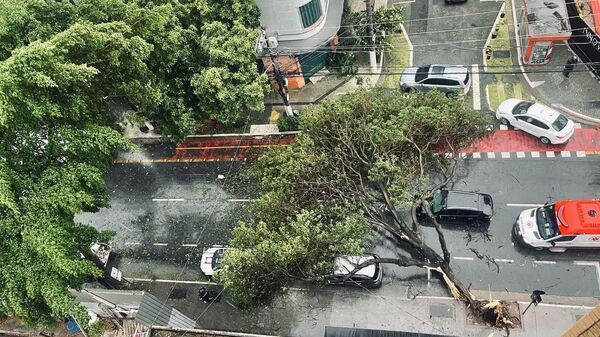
point(209, 332)
point(489, 38)
point(576, 115)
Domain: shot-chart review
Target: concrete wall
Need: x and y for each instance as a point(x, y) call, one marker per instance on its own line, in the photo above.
point(282, 17)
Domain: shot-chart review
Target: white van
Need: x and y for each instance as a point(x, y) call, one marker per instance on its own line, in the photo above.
point(565, 224)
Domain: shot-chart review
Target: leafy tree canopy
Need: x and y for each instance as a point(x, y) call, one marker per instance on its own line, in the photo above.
point(367, 153)
point(59, 63)
point(202, 61)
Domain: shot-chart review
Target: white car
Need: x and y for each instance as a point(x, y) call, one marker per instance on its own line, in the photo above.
point(536, 119)
point(211, 259)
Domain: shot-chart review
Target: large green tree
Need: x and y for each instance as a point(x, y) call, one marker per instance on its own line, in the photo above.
point(54, 149)
point(202, 63)
point(374, 153)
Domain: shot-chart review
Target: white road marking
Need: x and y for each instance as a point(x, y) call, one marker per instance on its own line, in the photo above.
point(505, 154)
point(167, 281)
point(595, 264)
point(132, 243)
point(565, 154)
point(476, 89)
point(463, 258)
point(503, 127)
point(463, 155)
point(524, 205)
point(549, 154)
point(476, 155)
point(491, 155)
point(504, 260)
point(189, 245)
point(535, 154)
point(160, 244)
point(241, 200)
point(520, 154)
point(175, 199)
point(544, 262)
point(580, 153)
point(577, 125)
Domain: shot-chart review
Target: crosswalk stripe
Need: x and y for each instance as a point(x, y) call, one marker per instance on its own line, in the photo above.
point(535, 154)
point(549, 154)
point(580, 153)
point(565, 154)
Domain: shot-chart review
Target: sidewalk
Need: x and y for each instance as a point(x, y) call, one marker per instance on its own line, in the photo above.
point(306, 312)
point(579, 94)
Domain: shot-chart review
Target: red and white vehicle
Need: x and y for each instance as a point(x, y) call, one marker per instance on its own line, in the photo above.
point(562, 225)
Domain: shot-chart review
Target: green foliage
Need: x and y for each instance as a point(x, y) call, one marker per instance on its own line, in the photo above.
point(55, 147)
point(268, 256)
point(188, 60)
point(385, 19)
point(288, 123)
point(319, 197)
point(96, 329)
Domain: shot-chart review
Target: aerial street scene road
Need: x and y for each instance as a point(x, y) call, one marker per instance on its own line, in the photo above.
point(300, 168)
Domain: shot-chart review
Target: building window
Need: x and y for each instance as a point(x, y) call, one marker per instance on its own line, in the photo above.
point(311, 12)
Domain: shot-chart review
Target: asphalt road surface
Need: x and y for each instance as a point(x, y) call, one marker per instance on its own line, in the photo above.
point(166, 214)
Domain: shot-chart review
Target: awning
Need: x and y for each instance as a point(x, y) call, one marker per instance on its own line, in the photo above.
point(154, 312)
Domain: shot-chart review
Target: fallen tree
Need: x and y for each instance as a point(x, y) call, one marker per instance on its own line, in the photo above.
point(365, 156)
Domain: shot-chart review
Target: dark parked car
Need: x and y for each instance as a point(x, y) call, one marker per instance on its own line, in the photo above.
point(367, 277)
point(462, 207)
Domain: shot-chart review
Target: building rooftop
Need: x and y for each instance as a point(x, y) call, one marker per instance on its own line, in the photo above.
point(547, 18)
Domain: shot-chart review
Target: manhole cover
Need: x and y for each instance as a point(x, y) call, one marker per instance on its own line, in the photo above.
point(441, 310)
point(501, 53)
point(178, 293)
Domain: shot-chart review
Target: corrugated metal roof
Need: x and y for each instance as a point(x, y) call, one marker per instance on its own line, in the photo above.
point(154, 312)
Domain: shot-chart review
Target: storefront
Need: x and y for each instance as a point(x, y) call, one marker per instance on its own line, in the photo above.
point(584, 17)
point(542, 23)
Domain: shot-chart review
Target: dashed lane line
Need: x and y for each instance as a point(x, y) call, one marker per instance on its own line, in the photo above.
point(463, 258)
point(167, 281)
point(505, 260)
point(132, 243)
point(167, 200)
point(241, 200)
point(544, 262)
point(160, 244)
point(189, 245)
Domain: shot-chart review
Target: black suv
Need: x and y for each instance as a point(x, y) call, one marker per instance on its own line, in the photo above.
point(462, 207)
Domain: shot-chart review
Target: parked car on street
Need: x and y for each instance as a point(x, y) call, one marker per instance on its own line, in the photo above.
point(558, 226)
point(367, 277)
point(211, 259)
point(537, 119)
point(449, 79)
point(460, 207)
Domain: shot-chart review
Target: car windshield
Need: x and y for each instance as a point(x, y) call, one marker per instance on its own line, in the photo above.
point(217, 258)
point(560, 123)
point(422, 73)
point(521, 108)
point(439, 201)
point(546, 222)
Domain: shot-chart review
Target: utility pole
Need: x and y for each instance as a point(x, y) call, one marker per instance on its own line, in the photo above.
point(371, 34)
point(282, 88)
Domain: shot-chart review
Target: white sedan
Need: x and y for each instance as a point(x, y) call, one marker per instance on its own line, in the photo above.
point(211, 260)
point(536, 119)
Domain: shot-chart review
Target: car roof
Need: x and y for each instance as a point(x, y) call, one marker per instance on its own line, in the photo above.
point(463, 200)
point(345, 264)
point(578, 216)
point(455, 72)
point(543, 112)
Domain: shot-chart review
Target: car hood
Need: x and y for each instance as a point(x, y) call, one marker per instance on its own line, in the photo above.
point(508, 105)
point(408, 76)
